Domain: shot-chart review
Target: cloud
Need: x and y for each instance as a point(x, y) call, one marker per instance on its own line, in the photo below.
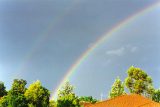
point(134, 49)
point(122, 50)
point(118, 52)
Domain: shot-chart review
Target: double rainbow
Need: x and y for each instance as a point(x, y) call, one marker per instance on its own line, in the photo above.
point(100, 41)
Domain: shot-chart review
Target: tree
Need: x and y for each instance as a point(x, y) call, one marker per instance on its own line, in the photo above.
point(156, 96)
point(2, 89)
point(15, 96)
point(117, 89)
point(66, 97)
point(87, 99)
point(18, 87)
point(66, 89)
point(4, 101)
point(139, 82)
point(17, 101)
point(52, 103)
point(68, 101)
point(37, 95)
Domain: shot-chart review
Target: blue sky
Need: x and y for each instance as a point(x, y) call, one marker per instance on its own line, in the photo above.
point(41, 39)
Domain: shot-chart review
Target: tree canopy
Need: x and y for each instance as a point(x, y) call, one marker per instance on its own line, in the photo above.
point(37, 95)
point(18, 86)
point(66, 97)
point(117, 89)
point(156, 96)
point(15, 96)
point(139, 82)
point(88, 99)
point(2, 89)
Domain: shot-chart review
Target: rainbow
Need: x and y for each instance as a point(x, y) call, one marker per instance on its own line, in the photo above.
point(100, 41)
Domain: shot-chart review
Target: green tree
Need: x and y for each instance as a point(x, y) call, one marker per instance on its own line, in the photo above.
point(17, 101)
point(117, 89)
point(68, 101)
point(15, 96)
point(156, 96)
point(52, 103)
point(66, 90)
point(2, 89)
point(18, 87)
point(4, 101)
point(87, 99)
point(139, 82)
point(66, 97)
point(37, 95)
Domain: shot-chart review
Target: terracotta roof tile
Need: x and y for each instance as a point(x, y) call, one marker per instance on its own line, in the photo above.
point(132, 100)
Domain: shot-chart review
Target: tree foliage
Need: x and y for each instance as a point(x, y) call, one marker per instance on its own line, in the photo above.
point(69, 100)
point(15, 96)
point(37, 95)
point(18, 87)
point(117, 89)
point(2, 89)
point(66, 97)
point(66, 90)
point(87, 99)
point(139, 82)
point(52, 103)
point(17, 101)
point(156, 96)
point(4, 101)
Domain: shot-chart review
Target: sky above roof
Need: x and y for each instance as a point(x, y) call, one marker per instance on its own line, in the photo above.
point(42, 39)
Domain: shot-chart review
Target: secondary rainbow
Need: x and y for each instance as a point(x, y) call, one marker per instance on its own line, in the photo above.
point(43, 37)
point(101, 40)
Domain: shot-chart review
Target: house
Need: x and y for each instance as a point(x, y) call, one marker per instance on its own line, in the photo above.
point(132, 100)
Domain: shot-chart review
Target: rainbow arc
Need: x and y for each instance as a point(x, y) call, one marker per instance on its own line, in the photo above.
point(100, 41)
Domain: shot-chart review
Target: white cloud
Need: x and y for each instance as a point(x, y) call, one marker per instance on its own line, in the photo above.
point(118, 52)
point(134, 49)
point(122, 50)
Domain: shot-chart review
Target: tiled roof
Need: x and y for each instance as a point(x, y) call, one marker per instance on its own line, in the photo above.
point(132, 100)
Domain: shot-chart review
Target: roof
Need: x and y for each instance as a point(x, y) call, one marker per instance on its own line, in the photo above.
point(132, 100)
